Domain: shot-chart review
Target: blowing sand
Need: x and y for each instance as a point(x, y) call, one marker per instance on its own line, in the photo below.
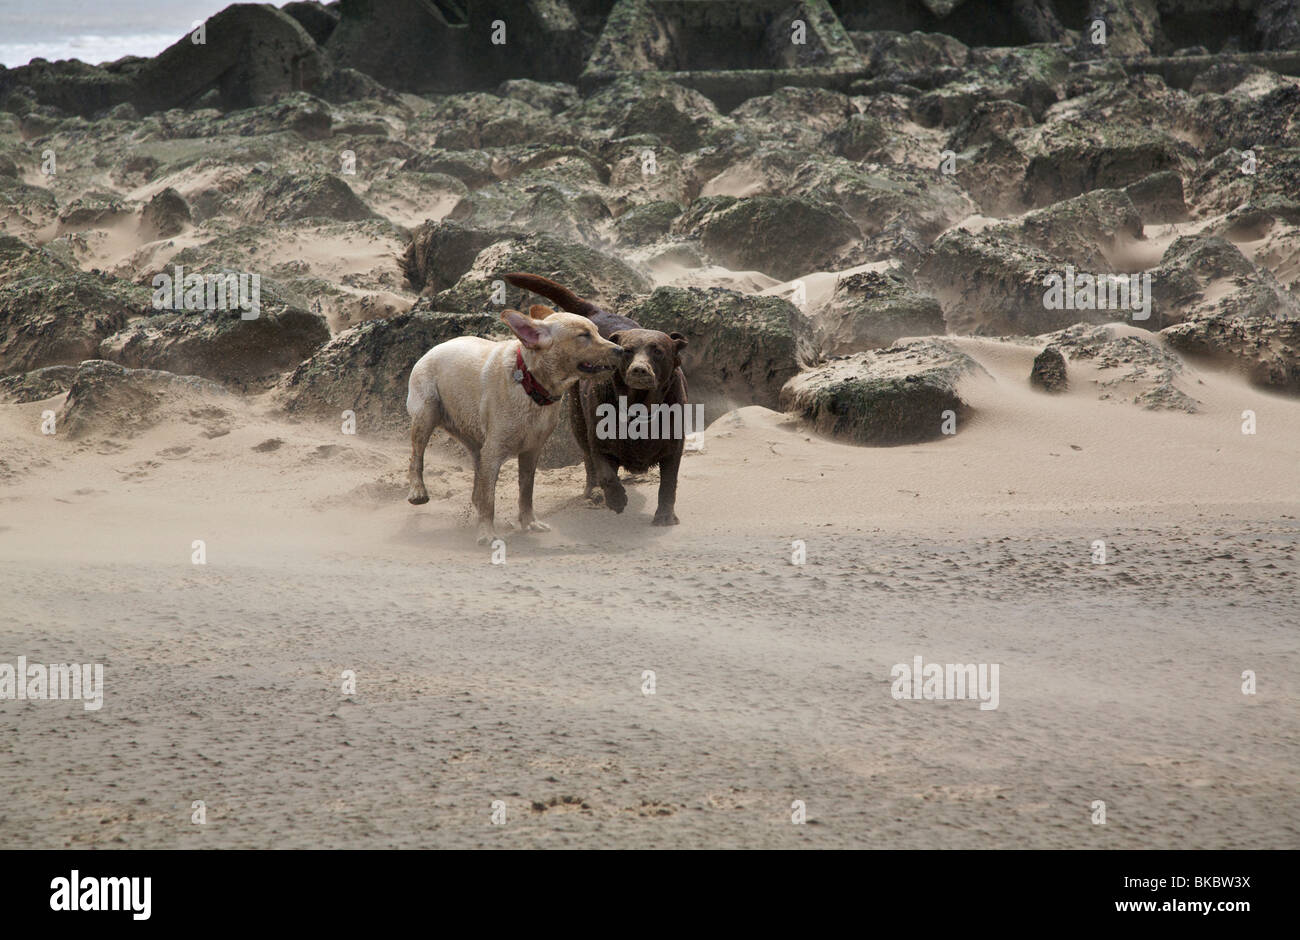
point(522, 682)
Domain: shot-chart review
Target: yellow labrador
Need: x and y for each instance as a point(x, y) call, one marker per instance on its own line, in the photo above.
point(498, 399)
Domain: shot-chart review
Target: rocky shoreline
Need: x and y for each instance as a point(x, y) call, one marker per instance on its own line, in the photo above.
point(876, 184)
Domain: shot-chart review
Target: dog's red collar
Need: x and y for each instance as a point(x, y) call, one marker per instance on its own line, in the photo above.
point(530, 384)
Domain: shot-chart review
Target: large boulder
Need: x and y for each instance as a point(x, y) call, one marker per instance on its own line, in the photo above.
point(1223, 183)
point(90, 210)
point(441, 252)
point(344, 85)
point(801, 117)
point(474, 168)
point(899, 209)
point(867, 310)
point(899, 395)
point(585, 271)
point(365, 369)
point(292, 196)
point(888, 203)
point(990, 285)
point(1265, 349)
point(1131, 365)
point(165, 215)
point(1075, 156)
point(1094, 231)
point(1159, 198)
point(51, 313)
point(899, 55)
point(221, 345)
point(740, 347)
point(1122, 105)
point(107, 400)
point(677, 116)
point(70, 86)
point(552, 97)
point(552, 191)
point(572, 217)
point(989, 164)
point(36, 385)
point(759, 170)
point(422, 46)
point(1224, 307)
point(643, 170)
point(862, 137)
point(647, 223)
point(782, 236)
point(992, 174)
point(987, 121)
point(482, 120)
point(251, 52)
point(318, 19)
point(1207, 277)
point(1033, 77)
point(1260, 114)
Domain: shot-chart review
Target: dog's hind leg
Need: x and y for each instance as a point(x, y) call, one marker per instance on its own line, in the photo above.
point(578, 422)
point(527, 471)
point(422, 425)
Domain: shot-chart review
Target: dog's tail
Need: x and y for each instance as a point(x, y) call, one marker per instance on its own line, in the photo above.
point(553, 292)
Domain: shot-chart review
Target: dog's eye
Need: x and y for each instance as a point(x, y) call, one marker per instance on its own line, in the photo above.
point(586, 338)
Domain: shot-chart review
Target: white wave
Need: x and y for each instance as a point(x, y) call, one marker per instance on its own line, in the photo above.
point(89, 48)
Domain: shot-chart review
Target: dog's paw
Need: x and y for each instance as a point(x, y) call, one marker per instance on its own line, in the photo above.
point(536, 526)
point(418, 498)
point(666, 518)
point(595, 495)
point(616, 499)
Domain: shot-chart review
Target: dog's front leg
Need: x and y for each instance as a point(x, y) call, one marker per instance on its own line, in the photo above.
point(486, 470)
point(668, 467)
point(607, 477)
point(527, 471)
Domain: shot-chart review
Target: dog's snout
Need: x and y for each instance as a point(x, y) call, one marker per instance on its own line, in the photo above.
point(622, 351)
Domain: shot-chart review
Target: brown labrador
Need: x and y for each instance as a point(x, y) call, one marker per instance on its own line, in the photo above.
point(649, 375)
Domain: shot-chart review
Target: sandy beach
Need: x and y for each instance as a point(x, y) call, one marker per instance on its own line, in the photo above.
point(990, 540)
point(523, 682)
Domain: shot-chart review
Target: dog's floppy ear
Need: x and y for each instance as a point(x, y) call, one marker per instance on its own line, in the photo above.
point(532, 333)
point(539, 311)
point(679, 343)
point(614, 338)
